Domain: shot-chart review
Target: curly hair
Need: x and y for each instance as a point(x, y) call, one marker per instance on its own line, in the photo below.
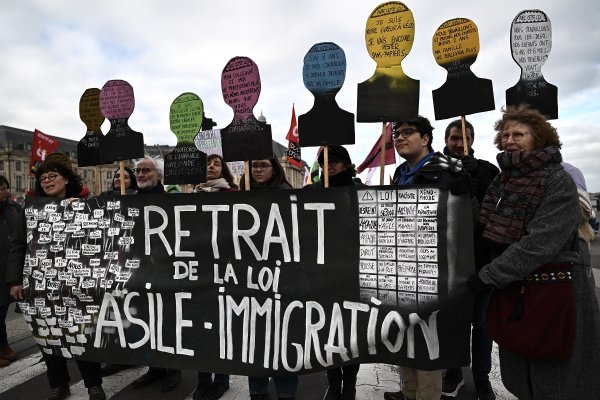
point(543, 133)
point(72, 188)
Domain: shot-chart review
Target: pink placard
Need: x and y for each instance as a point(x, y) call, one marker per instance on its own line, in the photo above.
point(116, 99)
point(240, 83)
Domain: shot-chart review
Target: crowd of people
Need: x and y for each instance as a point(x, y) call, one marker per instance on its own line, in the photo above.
point(530, 211)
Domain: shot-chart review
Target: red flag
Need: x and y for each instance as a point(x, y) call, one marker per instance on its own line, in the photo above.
point(42, 146)
point(293, 142)
point(373, 159)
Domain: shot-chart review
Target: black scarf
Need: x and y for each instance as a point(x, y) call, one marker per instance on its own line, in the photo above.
point(515, 194)
point(344, 178)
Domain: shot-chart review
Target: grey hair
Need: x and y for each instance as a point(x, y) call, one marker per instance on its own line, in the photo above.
point(158, 164)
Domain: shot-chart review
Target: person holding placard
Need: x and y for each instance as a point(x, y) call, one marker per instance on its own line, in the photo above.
point(412, 140)
point(481, 174)
point(219, 179)
point(53, 179)
point(268, 174)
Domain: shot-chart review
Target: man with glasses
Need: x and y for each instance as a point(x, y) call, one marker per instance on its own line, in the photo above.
point(423, 166)
point(9, 211)
point(481, 175)
point(148, 174)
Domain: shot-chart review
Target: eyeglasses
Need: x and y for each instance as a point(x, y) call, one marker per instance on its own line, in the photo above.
point(516, 135)
point(405, 133)
point(48, 178)
point(144, 170)
point(261, 166)
point(3, 188)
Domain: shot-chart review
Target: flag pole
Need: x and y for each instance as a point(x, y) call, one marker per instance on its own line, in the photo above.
point(464, 135)
point(326, 165)
point(122, 176)
point(246, 175)
point(382, 155)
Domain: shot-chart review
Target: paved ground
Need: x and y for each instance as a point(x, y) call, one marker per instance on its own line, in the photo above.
point(25, 378)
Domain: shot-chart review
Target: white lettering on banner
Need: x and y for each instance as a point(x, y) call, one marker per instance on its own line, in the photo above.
point(239, 235)
point(249, 311)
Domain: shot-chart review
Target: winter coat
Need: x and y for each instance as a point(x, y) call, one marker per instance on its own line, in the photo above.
point(548, 238)
point(8, 221)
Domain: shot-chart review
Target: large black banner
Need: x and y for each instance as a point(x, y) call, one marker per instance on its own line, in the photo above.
point(253, 283)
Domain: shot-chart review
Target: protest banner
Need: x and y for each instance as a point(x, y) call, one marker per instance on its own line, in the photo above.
point(324, 72)
point(185, 164)
point(121, 142)
point(389, 95)
point(253, 283)
point(455, 46)
point(530, 43)
point(88, 148)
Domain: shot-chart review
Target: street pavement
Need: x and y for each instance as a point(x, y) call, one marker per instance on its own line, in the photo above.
point(25, 378)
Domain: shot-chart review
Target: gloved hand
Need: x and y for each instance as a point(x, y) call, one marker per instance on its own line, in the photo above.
point(469, 164)
point(476, 285)
point(459, 186)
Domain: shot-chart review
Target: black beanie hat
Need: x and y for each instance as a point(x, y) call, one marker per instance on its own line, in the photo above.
point(336, 153)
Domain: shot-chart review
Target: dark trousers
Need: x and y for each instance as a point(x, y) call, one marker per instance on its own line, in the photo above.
point(346, 374)
point(481, 344)
point(3, 338)
point(58, 374)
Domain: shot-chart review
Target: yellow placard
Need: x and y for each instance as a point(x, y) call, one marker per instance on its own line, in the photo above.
point(455, 40)
point(390, 33)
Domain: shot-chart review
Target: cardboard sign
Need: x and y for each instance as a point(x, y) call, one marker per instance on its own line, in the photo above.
point(323, 74)
point(455, 48)
point(530, 43)
point(88, 148)
point(257, 283)
point(209, 142)
point(185, 164)
point(121, 142)
point(389, 95)
point(245, 138)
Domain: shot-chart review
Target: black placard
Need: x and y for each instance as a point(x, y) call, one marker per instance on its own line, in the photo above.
point(88, 148)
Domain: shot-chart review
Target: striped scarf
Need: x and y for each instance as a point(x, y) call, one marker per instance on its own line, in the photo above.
point(515, 194)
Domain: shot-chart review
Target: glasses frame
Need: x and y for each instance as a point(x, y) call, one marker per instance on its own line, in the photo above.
point(405, 133)
point(144, 170)
point(261, 166)
point(517, 136)
point(51, 177)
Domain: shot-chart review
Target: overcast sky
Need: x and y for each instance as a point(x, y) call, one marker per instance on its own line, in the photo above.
point(53, 50)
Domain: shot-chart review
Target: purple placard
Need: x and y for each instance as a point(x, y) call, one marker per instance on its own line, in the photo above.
point(240, 83)
point(116, 99)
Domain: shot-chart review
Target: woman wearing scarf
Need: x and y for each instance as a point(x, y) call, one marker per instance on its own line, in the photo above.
point(219, 179)
point(218, 176)
point(529, 218)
